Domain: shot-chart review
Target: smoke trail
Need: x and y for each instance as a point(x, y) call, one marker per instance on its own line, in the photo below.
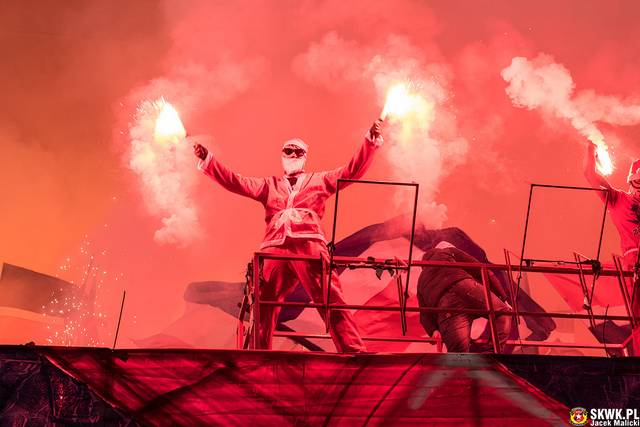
point(543, 83)
point(608, 109)
point(166, 174)
point(167, 171)
point(425, 145)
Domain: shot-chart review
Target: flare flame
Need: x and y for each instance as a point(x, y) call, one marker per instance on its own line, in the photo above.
point(169, 127)
point(400, 101)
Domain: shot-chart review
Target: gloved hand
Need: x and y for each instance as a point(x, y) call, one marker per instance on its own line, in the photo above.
point(200, 151)
point(376, 129)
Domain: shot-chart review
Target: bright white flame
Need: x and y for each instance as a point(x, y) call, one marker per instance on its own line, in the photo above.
point(164, 164)
point(169, 127)
point(399, 101)
point(604, 164)
point(603, 160)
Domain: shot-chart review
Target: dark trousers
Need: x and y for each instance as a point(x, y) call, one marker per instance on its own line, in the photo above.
point(455, 328)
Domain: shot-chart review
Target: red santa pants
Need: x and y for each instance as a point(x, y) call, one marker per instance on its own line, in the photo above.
point(281, 277)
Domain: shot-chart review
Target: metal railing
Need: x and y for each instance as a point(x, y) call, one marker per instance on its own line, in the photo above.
point(252, 301)
point(250, 338)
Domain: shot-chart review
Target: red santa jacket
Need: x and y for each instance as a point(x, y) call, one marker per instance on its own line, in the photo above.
point(292, 211)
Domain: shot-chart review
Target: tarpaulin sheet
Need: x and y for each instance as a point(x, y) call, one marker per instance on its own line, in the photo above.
point(187, 387)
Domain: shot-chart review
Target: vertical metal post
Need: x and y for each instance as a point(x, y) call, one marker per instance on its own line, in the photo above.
point(240, 330)
point(331, 248)
point(406, 288)
point(256, 301)
point(115, 339)
point(239, 335)
point(585, 290)
point(623, 288)
point(512, 287)
point(491, 312)
point(635, 279)
point(333, 238)
point(604, 217)
point(324, 263)
point(325, 278)
point(401, 300)
point(524, 241)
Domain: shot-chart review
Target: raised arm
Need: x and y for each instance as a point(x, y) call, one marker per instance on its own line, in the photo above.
point(360, 162)
point(254, 188)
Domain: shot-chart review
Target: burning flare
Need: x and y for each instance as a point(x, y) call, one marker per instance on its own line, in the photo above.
point(399, 101)
point(604, 164)
point(164, 165)
point(545, 84)
point(603, 160)
point(168, 127)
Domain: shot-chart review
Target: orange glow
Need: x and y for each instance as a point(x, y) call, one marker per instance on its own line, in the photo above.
point(169, 127)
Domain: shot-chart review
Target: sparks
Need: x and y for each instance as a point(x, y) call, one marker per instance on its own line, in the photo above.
point(80, 309)
point(169, 127)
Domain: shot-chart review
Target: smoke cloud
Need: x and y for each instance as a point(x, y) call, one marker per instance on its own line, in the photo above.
point(166, 171)
point(425, 145)
point(608, 109)
point(79, 80)
point(545, 84)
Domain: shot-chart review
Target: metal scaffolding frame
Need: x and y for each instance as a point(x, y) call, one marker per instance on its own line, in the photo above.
point(579, 259)
point(489, 311)
point(252, 301)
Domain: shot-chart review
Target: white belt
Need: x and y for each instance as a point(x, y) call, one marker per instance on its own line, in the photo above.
point(293, 215)
point(630, 251)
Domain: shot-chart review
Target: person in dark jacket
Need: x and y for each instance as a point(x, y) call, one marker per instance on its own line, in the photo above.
point(456, 287)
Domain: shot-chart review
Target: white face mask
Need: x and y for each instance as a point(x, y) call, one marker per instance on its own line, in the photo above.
point(293, 165)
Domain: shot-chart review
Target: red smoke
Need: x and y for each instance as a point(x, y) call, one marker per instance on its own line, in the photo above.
point(251, 75)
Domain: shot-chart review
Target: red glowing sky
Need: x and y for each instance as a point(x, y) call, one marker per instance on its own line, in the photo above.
point(72, 71)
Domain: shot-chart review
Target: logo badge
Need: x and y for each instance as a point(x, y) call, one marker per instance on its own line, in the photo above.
point(578, 416)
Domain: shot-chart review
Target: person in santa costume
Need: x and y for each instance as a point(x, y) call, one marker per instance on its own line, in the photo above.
point(624, 208)
point(294, 206)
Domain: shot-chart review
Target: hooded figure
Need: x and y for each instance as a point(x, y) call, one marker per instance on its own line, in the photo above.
point(294, 206)
point(459, 287)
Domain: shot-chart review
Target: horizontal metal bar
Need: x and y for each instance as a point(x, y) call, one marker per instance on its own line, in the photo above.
point(383, 263)
point(380, 262)
point(563, 345)
point(369, 181)
point(363, 266)
point(568, 187)
point(442, 310)
point(435, 341)
point(385, 339)
point(557, 261)
point(378, 307)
